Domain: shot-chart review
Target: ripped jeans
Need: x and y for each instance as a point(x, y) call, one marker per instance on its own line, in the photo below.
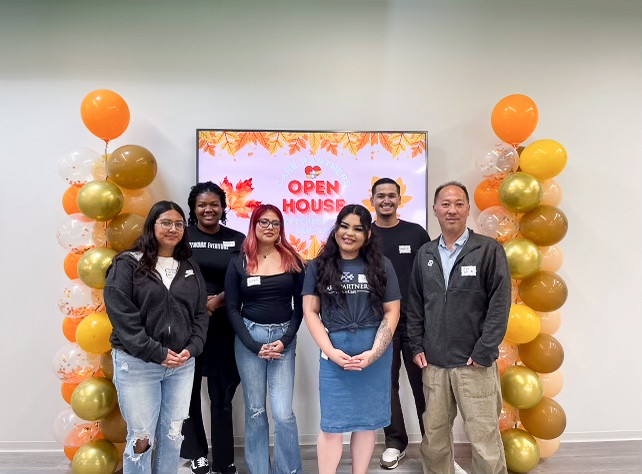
point(154, 401)
point(257, 377)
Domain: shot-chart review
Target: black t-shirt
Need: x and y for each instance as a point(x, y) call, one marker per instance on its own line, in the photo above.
point(213, 252)
point(400, 244)
point(355, 312)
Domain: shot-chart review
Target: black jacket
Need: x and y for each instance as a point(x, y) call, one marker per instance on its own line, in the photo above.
point(148, 318)
point(467, 319)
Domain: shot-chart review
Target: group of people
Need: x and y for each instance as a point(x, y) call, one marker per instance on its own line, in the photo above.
point(208, 301)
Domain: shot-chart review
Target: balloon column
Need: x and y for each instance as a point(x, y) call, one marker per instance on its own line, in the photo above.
point(518, 200)
point(106, 204)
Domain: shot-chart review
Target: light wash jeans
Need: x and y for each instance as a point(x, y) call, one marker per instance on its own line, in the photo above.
point(257, 377)
point(154, 401)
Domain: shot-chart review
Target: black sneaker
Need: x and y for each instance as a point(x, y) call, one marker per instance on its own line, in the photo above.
point(231, 469)
point(200, 466)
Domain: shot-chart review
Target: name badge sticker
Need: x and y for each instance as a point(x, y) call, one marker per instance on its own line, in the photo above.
point(404, 249)
point(469, 271)
point(229, 244)
point(361, 278)
point(253, 281)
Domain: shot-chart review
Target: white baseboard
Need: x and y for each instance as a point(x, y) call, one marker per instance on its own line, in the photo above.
point(311, 439)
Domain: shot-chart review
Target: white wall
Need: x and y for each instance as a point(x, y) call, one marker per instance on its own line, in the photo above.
point(419, 65)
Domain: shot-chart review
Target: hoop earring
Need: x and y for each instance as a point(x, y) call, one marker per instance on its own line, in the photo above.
point(278, 241)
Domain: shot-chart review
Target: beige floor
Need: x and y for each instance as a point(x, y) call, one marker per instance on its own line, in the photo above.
point(621, 457)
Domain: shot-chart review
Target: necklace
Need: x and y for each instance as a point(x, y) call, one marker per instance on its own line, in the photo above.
point(266, 255)
point(170, 271)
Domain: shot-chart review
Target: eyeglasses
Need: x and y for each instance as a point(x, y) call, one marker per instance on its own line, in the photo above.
point(167, 225)
point(264, 224)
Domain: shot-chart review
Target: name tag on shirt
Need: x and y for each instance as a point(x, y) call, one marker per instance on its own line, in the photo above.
point(361, 278)
point(228, 244)
point(404, 249)
point(253, 281)
point(469, 271)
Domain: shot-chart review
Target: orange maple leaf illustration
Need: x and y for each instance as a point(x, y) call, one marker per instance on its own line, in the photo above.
point(299, 245)
point(237, 197)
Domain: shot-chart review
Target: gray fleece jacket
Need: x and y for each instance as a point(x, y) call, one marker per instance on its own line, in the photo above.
point(467, 319)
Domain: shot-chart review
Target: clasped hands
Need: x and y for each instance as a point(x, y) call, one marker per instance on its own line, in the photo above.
point(271, 350)
point(356, 362)
point(174, 360)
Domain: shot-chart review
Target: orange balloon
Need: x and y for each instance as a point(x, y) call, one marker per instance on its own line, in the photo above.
point(544, 354)
point(69, 203)
point(105, 114)
point(487, 193)
point(552, 192)
point(69, 326)
point(552, 258)
point(514, 118)
point(507, 355)
point(546, 420)
point(552, 383)
point(544, 291)
point(71, 265)
point(547, 447)
point(137, 202)
point(67, 389)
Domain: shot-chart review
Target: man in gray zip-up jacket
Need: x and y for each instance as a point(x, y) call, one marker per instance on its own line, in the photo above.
point(458, 304)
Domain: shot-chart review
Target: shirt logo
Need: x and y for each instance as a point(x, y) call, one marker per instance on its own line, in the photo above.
point(404, 249)
point(347, 277)
point(253, 281)
point(430, 262)
point(189, 273)
point(469, 270)
point(361, 278)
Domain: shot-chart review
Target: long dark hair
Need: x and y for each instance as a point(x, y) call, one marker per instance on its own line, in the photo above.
point(329, 258)
point(197, 190)
point(290, 260)
point(147, 244)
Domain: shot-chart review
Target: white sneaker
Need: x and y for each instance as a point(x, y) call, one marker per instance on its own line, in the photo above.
point(459, 469)
point(390, 458)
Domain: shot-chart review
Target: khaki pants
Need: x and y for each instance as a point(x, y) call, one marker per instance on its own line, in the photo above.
point(476, 392)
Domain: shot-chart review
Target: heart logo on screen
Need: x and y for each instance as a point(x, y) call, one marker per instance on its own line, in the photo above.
point(312, 171)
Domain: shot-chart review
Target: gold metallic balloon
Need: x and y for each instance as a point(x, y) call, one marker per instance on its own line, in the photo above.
point(123, 231)
point(521, 387)
point(93, 265)
point(100, 200)
point(521, 449)
point(96, 457)
point(131, 167)
point(544, 291)
point(524, 258)
point(520, 192)
point(114, 427)
point(94, 398)
point(543, 354)
point(546, 420)
point(545, 225)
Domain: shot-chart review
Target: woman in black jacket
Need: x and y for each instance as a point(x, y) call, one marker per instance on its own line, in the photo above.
point(155, 298)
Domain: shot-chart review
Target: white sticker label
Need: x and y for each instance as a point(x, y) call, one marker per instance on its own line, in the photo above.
point(430, 262)
point(253, 281)
point(361, 278)
point(324, 356)
point(404, 249)
point(469, 271)
point(229, 244)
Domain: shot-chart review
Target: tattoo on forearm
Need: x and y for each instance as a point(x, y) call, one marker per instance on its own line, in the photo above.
point(382, 339)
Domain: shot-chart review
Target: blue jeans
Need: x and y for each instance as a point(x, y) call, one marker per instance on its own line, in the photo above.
point(257, 377)
point(154, 401)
